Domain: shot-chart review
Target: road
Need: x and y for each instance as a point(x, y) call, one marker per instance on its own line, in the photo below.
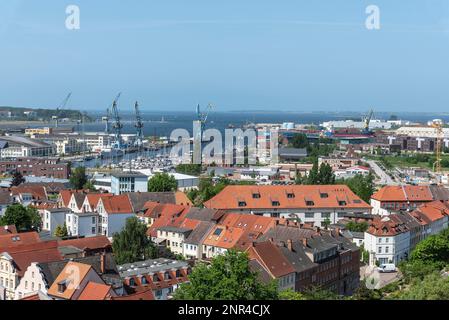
point(377, 280)
point(384, 177)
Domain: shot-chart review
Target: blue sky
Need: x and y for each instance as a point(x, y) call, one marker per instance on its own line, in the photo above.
point(298, 55)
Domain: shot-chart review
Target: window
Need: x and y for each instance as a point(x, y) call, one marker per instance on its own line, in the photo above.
point(94, 230)
point(155, 278)
point(310, 215)
point(93, 220)
point(166, 276)
point(242, 204)
point(326, 215)
point(275, 203)
point(310, 203)
point(342, 203)
point(324, 195)
point(290, 195)
point(387, 240)
point(132, 282)
point(143, 280)
point(387, 249)
point(256, 195)
point(380, 250)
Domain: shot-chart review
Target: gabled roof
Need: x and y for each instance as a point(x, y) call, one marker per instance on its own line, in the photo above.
point(96, 291)
point(38, 192)
point(66, 277)
point(271, 257)
point(139, 199)
point(387, 226)
point(117, 204)
point(430, 212)
point(13, 240)
point(93, 198)
point(404, 193)
point(39, 252)
point(89, 243)
point(285, 197)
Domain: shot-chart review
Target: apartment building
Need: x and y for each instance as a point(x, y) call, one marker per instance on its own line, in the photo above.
point(309, 204)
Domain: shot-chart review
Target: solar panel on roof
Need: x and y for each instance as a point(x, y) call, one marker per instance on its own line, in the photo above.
point(217, 232)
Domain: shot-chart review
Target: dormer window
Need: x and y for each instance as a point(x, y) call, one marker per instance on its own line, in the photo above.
point(178, 274)
point(342, 203)
point(144, 280)
point(275, 203)
point(132, 283)
point(167, 276)
point(290, 195)
point(310, 203)
point(242, 204)
point(155, 278)
point(256, 195)
point(62, 286)
point(324, 195)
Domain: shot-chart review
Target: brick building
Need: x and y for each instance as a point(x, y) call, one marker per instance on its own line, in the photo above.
point(39, 167)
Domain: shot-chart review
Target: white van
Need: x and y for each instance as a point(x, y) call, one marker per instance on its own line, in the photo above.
point(387, 267)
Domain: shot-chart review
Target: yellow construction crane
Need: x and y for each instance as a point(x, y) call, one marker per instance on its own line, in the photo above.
point(438, 149)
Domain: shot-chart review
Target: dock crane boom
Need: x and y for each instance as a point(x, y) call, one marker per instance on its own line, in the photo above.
point(203, 116)
point(139, 126)
point(61, 107)
point(117, 125)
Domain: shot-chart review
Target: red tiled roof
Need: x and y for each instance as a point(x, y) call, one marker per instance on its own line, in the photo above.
point(96, 291)
point(387, 226)
point(38, 192)
point(403, 193)
point(39, 252)
point(13, 240)
point(156, 284)
point(322, 197)
point(270, 256)
point(143, 295)
point(430, 212)
point(4, 230)
point(90, 243)
point(166, 215)
point(93, 198)
point(117, 204)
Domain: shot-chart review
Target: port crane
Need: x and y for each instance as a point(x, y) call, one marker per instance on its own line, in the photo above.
point(203, 116)
point(139, 127)
point(367, 121)
point(61, 107)
point(117, 125)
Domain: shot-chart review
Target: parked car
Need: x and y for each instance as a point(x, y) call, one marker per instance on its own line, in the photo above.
point(387, 267)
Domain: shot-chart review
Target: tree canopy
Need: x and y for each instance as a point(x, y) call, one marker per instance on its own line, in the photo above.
point(162, 182)
point(78, 178)
point(228, 277)
point(61, 231)
point(24, 218)
point(132, 244)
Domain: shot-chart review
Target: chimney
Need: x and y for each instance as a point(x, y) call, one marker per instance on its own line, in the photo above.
point(277, 222)
point(271, 239)
point(290, 245)
point(103, 263)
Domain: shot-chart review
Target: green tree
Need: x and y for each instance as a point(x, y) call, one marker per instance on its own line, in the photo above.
point(357, 226)
point(61, 231)
point(132, 244)
point(291, 295)
point(89, 185)
point(24, 218)
point(326, 175)
point(362, 186)
point(300, 141)
point(78, 178)
point(17, 179)
point(162, 182)
point(313, 177)
point(433, 287)
point(228, 277)
point(190, 169)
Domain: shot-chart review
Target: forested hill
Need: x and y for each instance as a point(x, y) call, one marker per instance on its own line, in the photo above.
point(14, 113)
